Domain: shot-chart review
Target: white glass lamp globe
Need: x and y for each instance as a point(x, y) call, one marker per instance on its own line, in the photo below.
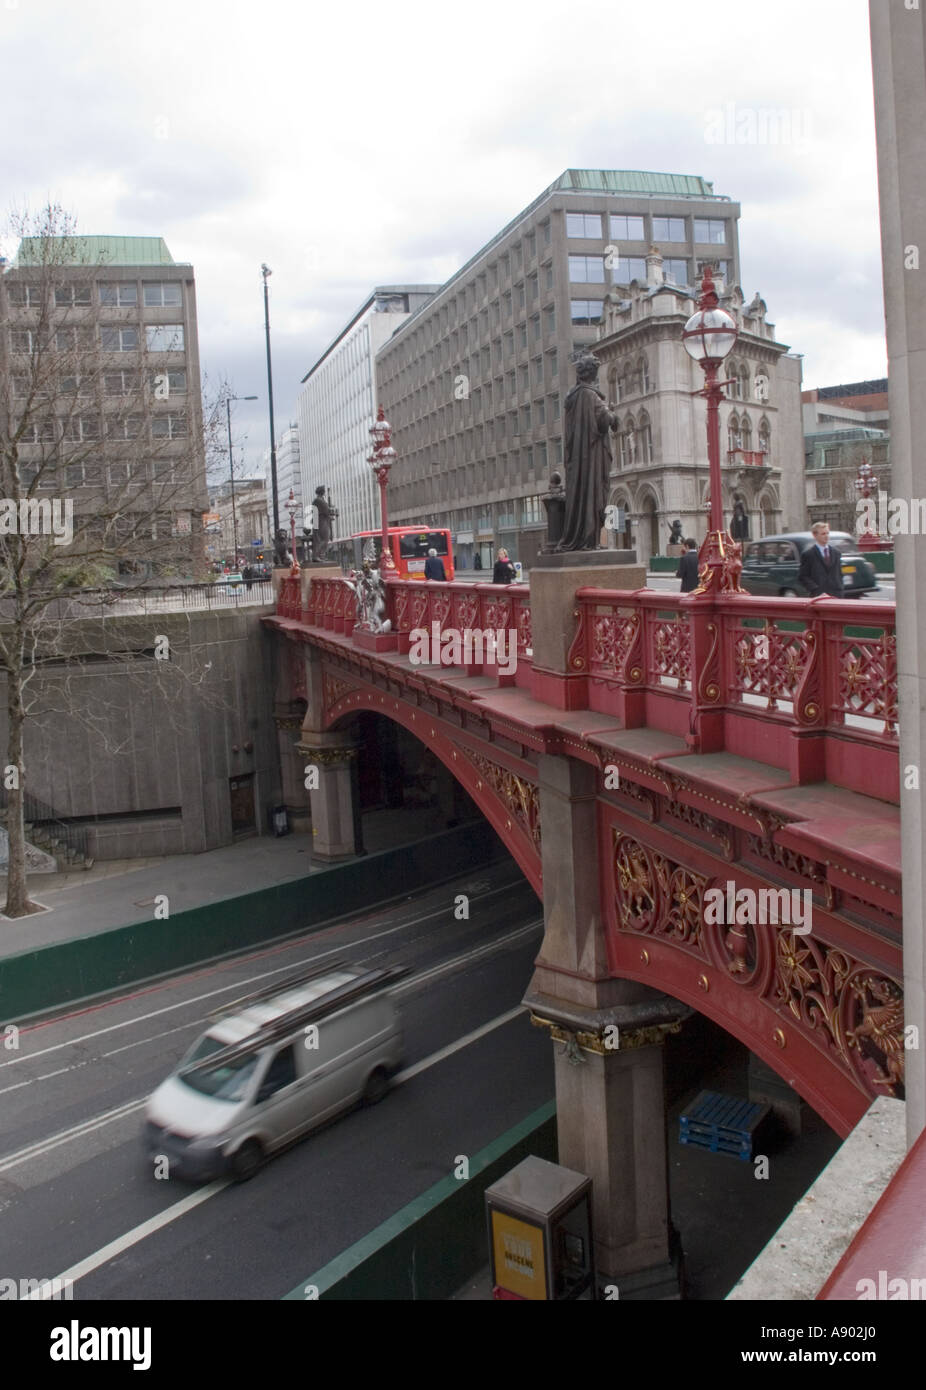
point(709, 335)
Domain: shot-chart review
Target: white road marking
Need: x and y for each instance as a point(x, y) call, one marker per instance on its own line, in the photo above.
point(453, 1047)
point(78, 1131)
point(138, 1233)
point(238, 984)
point(156, 1223)
point(87, 1127)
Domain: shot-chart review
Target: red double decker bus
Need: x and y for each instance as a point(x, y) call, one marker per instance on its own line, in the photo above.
point(409, 546)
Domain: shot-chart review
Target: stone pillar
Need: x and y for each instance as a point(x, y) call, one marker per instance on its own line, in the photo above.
point(292, 778)
point(336, 828)
point(607, 1036)
point(898, 47)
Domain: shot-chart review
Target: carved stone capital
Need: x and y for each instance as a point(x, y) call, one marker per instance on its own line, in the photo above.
point(328, 757)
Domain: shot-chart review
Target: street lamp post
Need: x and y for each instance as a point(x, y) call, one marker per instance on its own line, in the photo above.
point(231, 467)
point(867, 480)
point(292, 506)
point(709, 336)
point(382, 459)
point(266, 272)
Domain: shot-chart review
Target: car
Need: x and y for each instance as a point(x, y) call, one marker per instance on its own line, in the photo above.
point(771, 565)
point(273, 1066)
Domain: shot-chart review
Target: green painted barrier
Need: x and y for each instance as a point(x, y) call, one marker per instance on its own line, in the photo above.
point(433, 1246)
point(663, 564)
point(50, 976)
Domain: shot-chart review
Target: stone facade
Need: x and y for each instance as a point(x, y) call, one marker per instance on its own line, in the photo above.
point(660, 465)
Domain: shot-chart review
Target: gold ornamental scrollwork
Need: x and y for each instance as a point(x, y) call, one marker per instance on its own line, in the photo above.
point(521, 798)
point(609, 1039)
point(329, 757)
point(288, 721)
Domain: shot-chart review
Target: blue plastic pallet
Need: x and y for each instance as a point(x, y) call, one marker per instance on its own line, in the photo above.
point(722, 1124)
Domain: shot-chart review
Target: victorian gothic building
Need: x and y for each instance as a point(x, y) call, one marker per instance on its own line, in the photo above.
point(660, 457)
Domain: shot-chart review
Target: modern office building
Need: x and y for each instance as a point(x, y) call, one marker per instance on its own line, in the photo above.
point(289, 479)
point(660, 447)
point(106, 327)
point(845, 426)
point(473, 382)
point(337, 406)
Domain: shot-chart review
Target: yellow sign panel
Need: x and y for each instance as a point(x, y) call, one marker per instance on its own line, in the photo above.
point(518, 1250)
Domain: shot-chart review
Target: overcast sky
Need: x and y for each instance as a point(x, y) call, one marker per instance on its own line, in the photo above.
point(358, 144)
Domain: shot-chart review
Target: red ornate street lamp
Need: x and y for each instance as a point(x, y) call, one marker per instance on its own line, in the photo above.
point(866, 481)
point(292, 506)
point(382, 459)
point(709, 336)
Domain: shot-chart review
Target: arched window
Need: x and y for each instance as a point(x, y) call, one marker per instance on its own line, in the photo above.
point(733, 381)
point(645, 440)
point(612, 386)
point(623, 385)
point(746, 433)
point(628, 440)
point(645, 384)
point(765, 436)
point(734, 438)
point(743, 382)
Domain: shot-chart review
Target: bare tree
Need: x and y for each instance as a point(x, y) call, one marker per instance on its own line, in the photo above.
point(102, 479)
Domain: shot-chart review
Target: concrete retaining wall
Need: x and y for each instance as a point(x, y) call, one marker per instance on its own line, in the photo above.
point(51, 976)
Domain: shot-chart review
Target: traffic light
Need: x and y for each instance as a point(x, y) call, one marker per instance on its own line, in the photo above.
point(260, 554)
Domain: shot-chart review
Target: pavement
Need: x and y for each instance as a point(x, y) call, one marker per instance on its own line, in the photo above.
point(116, 893)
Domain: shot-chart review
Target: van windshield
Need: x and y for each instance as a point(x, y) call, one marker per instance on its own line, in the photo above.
point(228, 1080)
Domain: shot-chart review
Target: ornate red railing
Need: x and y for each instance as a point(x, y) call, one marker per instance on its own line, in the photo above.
point(798, 683)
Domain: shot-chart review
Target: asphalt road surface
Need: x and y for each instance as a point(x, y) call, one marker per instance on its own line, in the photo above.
point(78, 1199)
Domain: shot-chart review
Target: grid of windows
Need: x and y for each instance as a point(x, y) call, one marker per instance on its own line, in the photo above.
point(676, 268)
point(584, 224)
point(118, 339)
point(25, 296)
point(669, 229)
point(628, 268)
point(626, 228)
point(586, 270)
point(120, 296)
point(167, 295)
point(69, 296)
point(448, 450)
point(712, 230)
point(586, 311)
point(164, 337)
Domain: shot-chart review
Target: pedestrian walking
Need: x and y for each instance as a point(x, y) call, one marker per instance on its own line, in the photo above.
point(687, 570)
point(434, 566)
point(477, 563)
point(821, 565)
point(247, 574)
point(504, 572)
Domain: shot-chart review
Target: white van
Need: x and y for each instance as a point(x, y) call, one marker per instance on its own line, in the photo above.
point(273, 1066)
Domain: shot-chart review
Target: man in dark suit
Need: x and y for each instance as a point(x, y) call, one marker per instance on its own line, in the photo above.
point(434, 566)
point(821, 565)
point(687, 570)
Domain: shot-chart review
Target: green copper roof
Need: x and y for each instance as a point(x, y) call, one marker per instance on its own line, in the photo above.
point(633, 181)
point(96, 250)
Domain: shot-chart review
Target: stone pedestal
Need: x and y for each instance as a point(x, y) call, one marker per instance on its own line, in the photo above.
point(336, 828)
point(554, 581)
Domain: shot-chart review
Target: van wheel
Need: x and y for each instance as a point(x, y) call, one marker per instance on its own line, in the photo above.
point(376, 1087)
point(247, 1161)
point(788, 593)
